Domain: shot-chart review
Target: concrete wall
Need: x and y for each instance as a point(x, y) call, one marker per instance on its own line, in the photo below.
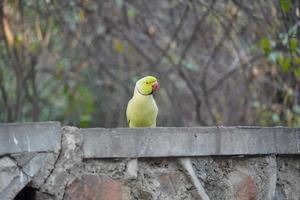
point(225, 163)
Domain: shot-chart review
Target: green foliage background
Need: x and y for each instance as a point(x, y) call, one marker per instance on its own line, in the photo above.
point(219, 62)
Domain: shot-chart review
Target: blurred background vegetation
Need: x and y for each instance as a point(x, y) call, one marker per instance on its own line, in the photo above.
point(226, 62)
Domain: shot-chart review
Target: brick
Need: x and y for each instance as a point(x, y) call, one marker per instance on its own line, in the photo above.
point(243, 185)
point(94, 187)
point(169, 182)
point(246, 189)
point(8, 172)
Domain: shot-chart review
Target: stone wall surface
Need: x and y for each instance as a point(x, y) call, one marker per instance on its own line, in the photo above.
point(68, 168)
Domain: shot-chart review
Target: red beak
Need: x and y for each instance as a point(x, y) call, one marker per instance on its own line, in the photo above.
point(155, 86)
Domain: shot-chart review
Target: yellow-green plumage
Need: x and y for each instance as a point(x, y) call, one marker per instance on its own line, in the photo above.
point(142, 109)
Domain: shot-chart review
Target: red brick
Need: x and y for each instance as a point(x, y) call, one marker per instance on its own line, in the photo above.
point(93, 187)
point(243, 185)
point(246, 190)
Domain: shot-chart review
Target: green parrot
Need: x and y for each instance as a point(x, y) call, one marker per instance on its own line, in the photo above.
point(141, 112)
point(142, 109)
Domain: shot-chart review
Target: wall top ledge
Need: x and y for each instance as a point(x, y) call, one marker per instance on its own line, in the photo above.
point(189, 141)
point(29, 137)
point(153, 142)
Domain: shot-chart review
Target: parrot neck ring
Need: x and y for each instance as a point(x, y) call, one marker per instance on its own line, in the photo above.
point(137, 88)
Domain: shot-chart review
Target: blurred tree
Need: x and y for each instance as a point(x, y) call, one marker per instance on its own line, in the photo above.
point(282, 70)
point(219, 62)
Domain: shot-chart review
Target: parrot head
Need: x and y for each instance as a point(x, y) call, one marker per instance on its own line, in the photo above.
point(147, 85)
